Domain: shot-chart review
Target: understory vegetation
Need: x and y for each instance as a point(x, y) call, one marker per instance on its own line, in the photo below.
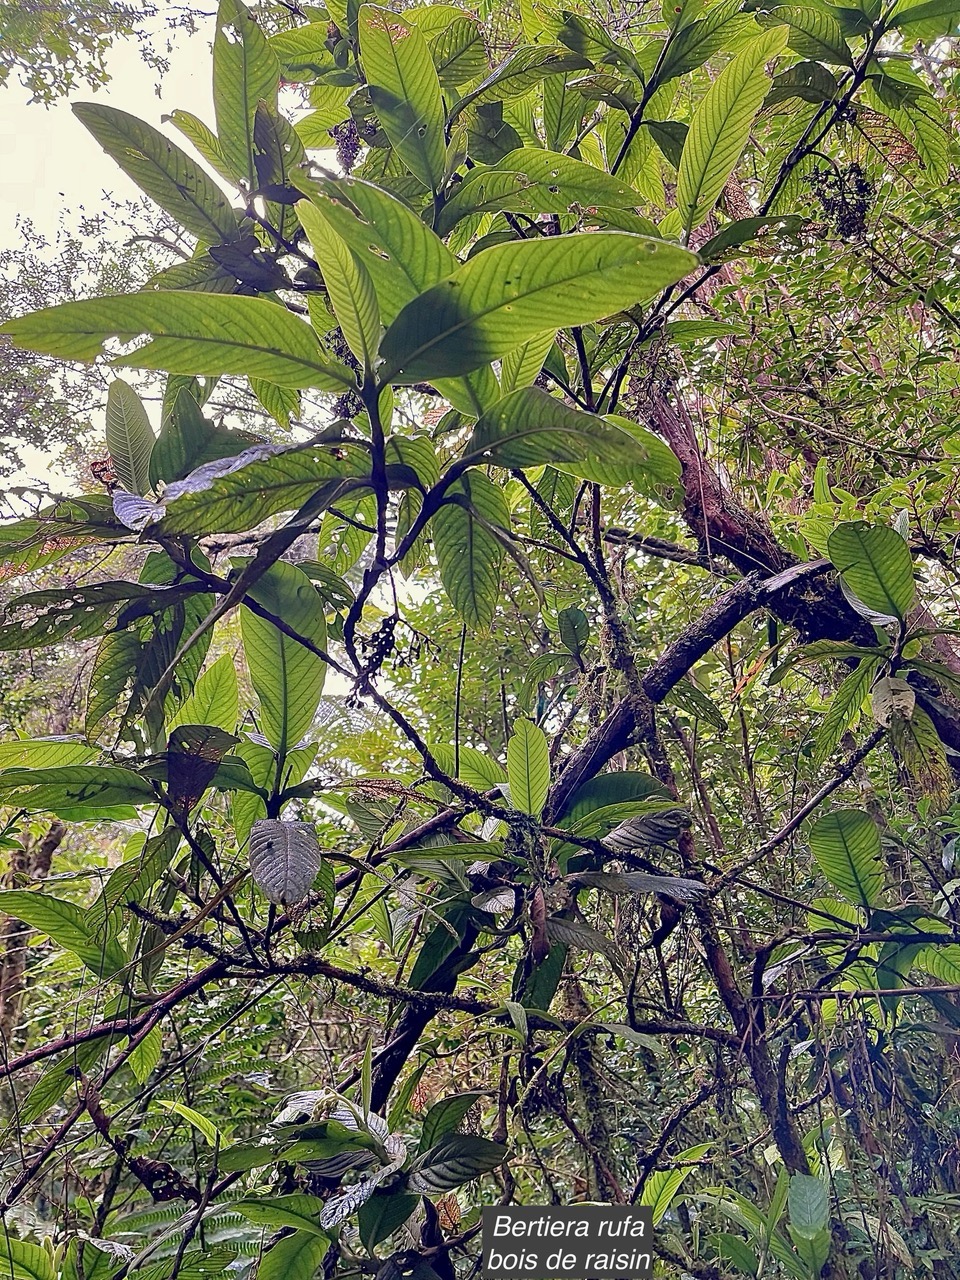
point(481, 725)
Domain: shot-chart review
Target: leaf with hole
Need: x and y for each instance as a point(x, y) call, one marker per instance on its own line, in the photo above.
point(405, 91)
point(284, 859)
point(349, 284)
point(245, 72)
point(501, 297)
point(468, 553)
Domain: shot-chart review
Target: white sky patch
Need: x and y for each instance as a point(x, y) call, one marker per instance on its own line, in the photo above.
point(50, 162)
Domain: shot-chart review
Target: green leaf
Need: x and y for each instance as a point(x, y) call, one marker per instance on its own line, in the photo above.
point(476, 768)
point(814, 33)
point(279, 154)
point(383, 1214)
point(523, 68)
point(348, 282)
point(876, 565)
point(280, 402)
point(74, 787)
point(528, 768)
point(905, 13)
point(457, 49)
point(574, 630)
point(288, 678)
point(505, 295)
point(245, 71)
point(699, 40)
point(237, 494)
point(808, 1201)
point(401, 253)
point(592, 41)
point(721, 127)
point(299, 1211)
point(846, 846)
point(215, 699)
point(530, 427)
point(468, 554)
point(163, 171)
point(609, 789)
point(445, 1116)
point(187, 439)
point(295, 1257)
point(732, 237)
point(844, 708)
point(536, 180)
point(20, 1260)
point(193, 1117)
point(44, 753)
point(132, 880)
point(918, 744)
point(130, 437)
point(68, 926)
point(191, 333)
point(205, 141)
point(661, 1187)
point(405, 91)
point(520, 367)
point(456, 1159)
point(55, 1081)
point(145, 1056)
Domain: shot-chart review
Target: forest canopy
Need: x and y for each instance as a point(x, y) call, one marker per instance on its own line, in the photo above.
point(482, 727)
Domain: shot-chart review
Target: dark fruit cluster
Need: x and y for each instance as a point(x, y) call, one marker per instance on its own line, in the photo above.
point(844, 195)
point(349, 404)
point(347, 141)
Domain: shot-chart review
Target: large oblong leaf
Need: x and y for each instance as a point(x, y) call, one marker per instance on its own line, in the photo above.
point(468, 554)
point(846, 846)
point(815, 33)
point(456, 1159)
point(24, 1261)
point(530, 427)
point(238, 493)
point(295, 1257)
point(405, 91)
point(162, 170)
point(528, 768)
point(67, 924)
point(401, 253)
point(721, 126)
point(505, 295)
point(284, 859)
point(876, 565)
point(299, 1210)
point(348, 282)
point(191, 334)
point(130, 437)
point(245, 72)
point(288, 678)
point(531, 179)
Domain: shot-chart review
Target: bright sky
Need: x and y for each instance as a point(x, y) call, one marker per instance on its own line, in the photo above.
point(48, 159)
point(50, 162)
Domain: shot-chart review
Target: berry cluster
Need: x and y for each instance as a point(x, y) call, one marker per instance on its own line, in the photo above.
point(844, 195)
